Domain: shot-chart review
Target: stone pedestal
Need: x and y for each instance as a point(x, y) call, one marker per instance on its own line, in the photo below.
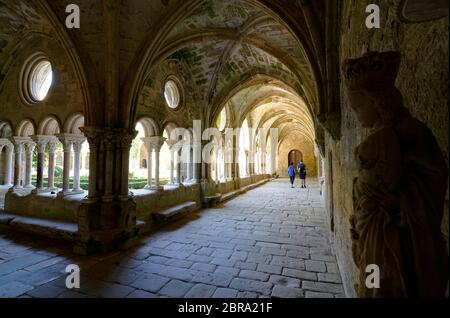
point(105, 226)
point(107, 217)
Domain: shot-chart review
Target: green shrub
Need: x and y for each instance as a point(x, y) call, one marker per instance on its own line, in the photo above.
point(58, 171)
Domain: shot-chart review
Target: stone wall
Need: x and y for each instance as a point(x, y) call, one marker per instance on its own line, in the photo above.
point(149, 203)
point(423, 80)
point(152, 103)
point(44, 206)
point(296, 141)
point(64, 97)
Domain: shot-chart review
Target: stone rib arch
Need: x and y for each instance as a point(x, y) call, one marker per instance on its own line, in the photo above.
point(283, 135)
point(248, 81)
point(20, 46)
point(25, 128)
point(169, 128)
point(6, 129)
point(50, 125)
point(266, 100)
point(74, 123)
point(80, 63)
point(150, 126)
point(154, 42)
point(234, 37)
point(145, 59)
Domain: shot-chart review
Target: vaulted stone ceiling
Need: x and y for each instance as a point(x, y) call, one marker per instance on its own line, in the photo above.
point(19, 21)
point(225, 45)
point(242, 58)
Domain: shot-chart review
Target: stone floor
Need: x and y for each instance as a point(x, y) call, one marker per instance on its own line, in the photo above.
point(269, 242)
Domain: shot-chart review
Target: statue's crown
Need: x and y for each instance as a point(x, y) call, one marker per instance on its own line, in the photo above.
point(372, 68)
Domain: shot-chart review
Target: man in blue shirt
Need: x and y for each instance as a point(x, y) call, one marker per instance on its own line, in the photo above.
point(291, 173)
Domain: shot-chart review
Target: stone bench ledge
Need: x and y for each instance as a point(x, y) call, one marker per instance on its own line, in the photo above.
point(49, 228)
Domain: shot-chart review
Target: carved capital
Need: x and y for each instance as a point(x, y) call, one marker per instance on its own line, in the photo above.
point(125, 137)
point(331, 122)
point(93, 136)
point(156, 142)
point(41, 142)
point(52, 144)
point(77, 145)
point(41, 145)
point(5, 143)
point(19, 143)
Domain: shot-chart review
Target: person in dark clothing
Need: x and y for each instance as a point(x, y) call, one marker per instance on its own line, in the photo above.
point(301, 167)
point(291, 173)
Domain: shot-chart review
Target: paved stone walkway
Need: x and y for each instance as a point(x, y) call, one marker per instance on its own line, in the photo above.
point(269, 242)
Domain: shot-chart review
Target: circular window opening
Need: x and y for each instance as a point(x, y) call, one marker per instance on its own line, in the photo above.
point(36, 78)
point(172, 94)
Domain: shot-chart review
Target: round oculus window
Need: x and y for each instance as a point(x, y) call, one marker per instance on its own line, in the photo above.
point(172, 94)
point(36, 78)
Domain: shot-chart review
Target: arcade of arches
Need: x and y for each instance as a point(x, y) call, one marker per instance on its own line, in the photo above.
point(88, 121)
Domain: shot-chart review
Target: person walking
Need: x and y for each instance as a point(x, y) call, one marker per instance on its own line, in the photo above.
point(302, 173)
point(291, 173)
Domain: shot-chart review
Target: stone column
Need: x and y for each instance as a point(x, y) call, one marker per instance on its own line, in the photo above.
point(178, 167)
point(235, 159)
point(247, 163)
point(189, 165)
point(51, 163)
point(171, 144)
point(156, 144)
point(217, 174)
point(157, 181)
point(77, 145)
point(150, 168)
point(273, 164)
point(148, 145)
point(107, 216)
point(197, 159)
point(94, 138)
point(17, 165)
point(8, 164)
point(207, 171)
point(261, 162)
point(41, 144)
point(172, 181)
point(19, 147)
point(109, 146)
point(67, 147)
point(29, 149)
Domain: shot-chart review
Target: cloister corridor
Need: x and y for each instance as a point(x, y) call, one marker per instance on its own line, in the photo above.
point(272, 241)
point(149, 144)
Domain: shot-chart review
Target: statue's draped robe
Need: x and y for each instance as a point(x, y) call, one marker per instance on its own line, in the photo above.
point(398, 208)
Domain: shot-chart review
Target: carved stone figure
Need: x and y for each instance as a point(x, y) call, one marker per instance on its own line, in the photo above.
point(398, 195)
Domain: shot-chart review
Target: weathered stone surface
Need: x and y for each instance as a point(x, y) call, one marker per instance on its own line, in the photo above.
point(253, 275)
point(303, 275)
point(251, 285)
point(225, 293)
point(322, 287)
point(201, 291)
point(287, 292)
point(149, 282)
point(175, 289)
point(315, 266)
point(278, 280)
point(14, 289)
point(138, 273)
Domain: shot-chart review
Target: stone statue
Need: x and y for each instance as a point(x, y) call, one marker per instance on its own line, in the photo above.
point(399, 193)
